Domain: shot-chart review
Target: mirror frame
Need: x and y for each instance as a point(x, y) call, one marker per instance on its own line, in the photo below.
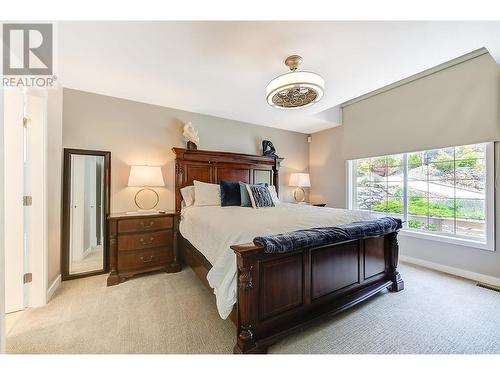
point(66, 212)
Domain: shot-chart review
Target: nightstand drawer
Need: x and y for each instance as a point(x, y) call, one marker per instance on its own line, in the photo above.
point(145, 240)
point(146, 223)
point(142, 259)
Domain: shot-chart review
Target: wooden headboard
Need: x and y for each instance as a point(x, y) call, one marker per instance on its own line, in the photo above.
point(214, 166)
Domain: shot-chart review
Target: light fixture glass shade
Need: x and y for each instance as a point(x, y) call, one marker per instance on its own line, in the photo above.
point(300, 180)
point(145, 175)
point(297, 89)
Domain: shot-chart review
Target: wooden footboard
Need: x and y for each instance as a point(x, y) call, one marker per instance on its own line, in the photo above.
point(281, 293)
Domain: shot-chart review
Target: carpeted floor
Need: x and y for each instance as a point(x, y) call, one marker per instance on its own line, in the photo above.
point(174, 313)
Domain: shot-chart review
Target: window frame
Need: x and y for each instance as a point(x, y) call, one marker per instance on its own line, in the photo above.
point(487, 244)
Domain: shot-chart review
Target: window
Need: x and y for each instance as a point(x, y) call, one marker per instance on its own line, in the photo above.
point(446, 193)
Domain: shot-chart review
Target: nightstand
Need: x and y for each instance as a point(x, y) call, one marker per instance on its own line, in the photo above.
point(142, 243)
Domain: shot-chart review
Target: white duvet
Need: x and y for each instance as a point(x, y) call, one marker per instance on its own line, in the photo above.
point(213, 229)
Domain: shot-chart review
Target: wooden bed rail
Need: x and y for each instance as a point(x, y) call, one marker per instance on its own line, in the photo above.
point(281, 293)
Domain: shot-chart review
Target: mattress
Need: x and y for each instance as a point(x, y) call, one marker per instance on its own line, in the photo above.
point(213, 229)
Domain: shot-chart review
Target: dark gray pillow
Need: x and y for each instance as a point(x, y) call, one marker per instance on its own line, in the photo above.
point(261, 196)
point(245, 197)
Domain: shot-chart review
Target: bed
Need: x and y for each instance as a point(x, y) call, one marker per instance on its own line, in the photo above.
point(269, 296)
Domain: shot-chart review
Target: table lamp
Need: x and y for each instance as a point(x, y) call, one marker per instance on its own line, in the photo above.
point(300, 181)
point(145, 177)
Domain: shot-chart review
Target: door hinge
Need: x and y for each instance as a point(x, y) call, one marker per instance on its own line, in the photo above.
point(25, 122)
point(27, 200)
point(27, 278)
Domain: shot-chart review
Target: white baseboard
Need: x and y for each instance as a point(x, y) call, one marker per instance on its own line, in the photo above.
point(52, 289)
point(491, 280)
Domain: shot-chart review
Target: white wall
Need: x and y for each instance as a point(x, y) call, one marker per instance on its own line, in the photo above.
point(389, 122)
point(138, 133)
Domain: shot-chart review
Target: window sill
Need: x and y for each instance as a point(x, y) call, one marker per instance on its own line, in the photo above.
point(448, 239)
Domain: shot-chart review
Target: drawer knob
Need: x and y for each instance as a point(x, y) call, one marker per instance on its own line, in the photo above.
point(146, 225)
point(150, 259)
point(143, 241)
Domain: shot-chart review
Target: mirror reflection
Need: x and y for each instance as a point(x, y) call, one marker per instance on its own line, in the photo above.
point(87, 215)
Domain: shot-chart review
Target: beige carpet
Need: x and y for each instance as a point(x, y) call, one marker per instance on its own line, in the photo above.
point(174, 313)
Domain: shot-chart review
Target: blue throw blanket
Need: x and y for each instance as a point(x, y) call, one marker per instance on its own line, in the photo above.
point(314, 237)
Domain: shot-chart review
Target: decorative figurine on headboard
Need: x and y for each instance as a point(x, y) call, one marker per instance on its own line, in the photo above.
point(268, 148)
point(191, 136)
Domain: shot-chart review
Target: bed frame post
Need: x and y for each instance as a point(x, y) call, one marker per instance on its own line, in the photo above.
point(246, 304)
point(393, 251)
point(276, 175)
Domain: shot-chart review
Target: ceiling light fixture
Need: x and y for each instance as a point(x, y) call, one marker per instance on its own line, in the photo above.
point(297, 89)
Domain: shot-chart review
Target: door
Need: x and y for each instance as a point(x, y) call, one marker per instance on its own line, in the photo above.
point(77, 210)
point(15, 139)
point(25, 115)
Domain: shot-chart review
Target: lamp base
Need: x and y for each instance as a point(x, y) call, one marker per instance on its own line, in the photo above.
point(297, 197)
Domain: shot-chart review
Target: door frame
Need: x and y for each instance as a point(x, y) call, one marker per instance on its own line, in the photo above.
point(66, 212)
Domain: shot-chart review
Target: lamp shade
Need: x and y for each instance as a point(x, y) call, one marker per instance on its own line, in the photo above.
point(300, 180)
point(145, 175)
point(295, 90)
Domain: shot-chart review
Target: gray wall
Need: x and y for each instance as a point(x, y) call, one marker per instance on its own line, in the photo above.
point(455, 106)
point(405, 120)
point(138, 133)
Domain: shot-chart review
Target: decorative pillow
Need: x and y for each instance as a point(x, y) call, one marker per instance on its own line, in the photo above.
point(230, 193)
point(245, 197)
point(260, 196)
point(187, 193)
point(274, 195)
point(206, 194)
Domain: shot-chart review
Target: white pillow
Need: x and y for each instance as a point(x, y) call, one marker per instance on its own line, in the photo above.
point(252, 199)
point(187, 193)
point(206, 194)
point(274, 195)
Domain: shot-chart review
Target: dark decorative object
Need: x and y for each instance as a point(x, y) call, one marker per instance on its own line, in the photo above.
point(268, 148)
point(191, 146)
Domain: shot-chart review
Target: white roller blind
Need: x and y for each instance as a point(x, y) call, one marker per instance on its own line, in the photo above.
point(455, 106)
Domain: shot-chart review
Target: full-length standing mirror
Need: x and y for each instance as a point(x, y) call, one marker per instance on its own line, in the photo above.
point(86, 186)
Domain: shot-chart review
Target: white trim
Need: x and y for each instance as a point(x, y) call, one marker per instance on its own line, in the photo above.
point(488, 244)
point(2, 222)
point(423, 74)
point(456, 240)
point(350, 176)
point(491, 280)
point(53, 287)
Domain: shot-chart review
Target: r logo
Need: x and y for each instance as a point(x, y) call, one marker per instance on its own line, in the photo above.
point(27, 49)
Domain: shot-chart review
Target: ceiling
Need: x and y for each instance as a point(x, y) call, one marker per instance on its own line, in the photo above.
point(222, 68)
